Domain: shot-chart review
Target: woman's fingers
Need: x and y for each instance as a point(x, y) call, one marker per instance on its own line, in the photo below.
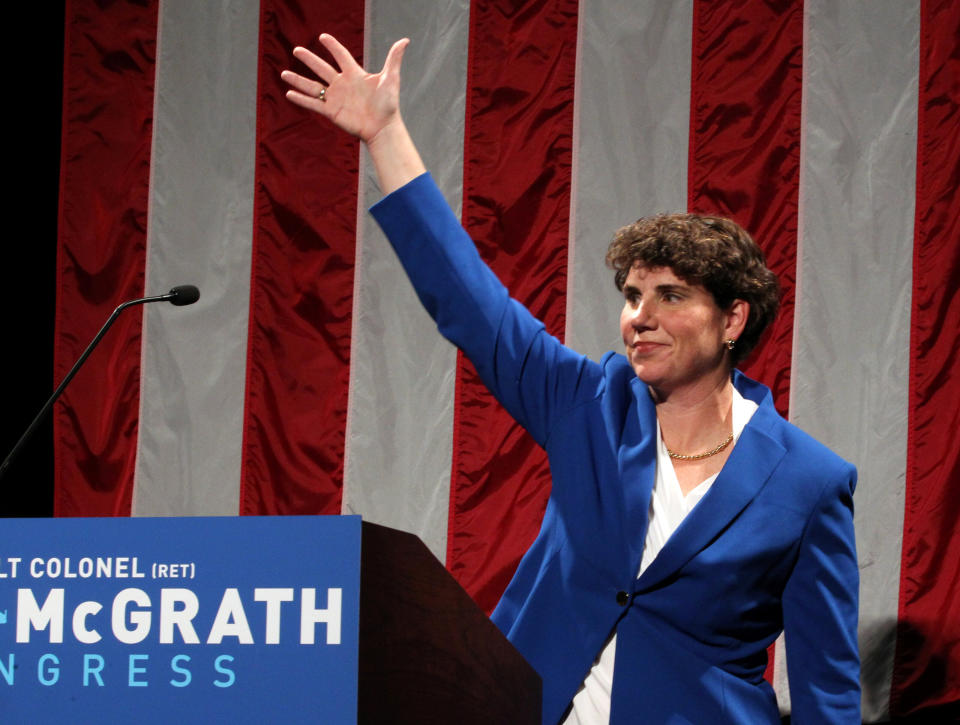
point(395, 57)
point(305, 86)
point(340, 54)
point(324, 71)
point(311, 103)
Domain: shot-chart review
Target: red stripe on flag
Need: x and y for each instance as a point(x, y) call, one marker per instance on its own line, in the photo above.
point(746, 85)
point(745, 144)
point(517, 174)
point(304, 243)
point(109, 65)
point(927, 666)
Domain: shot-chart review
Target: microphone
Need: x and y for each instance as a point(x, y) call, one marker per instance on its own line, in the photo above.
point(181, 295)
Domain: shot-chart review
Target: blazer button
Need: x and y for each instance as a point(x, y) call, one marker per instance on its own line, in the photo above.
point(622, 598)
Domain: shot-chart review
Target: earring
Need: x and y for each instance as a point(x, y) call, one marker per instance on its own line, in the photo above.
point(730, 343)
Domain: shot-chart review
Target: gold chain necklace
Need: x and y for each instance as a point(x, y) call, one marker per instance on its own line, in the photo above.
point(698, 456)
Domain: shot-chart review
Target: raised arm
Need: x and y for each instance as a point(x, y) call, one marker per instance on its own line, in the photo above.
point(366, 105)
point(530, 372)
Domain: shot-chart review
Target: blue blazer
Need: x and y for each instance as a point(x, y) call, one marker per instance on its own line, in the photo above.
point(770, 547)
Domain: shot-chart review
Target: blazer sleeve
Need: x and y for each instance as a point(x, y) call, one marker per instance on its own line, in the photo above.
point(529, 371)
point(820, 604)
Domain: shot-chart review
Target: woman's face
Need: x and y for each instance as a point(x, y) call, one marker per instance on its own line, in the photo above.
point(674, 332)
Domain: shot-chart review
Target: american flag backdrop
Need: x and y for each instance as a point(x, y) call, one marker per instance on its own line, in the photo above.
point(307, 379)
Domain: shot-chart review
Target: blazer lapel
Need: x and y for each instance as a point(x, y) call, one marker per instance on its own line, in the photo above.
point(637, 463)
point(753, 460)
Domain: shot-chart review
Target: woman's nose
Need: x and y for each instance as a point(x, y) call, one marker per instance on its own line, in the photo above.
point(642, 315)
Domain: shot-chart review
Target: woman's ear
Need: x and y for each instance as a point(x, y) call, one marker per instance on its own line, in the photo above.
point(736, 319)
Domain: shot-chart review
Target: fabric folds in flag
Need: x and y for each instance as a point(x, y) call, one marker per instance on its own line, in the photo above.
point(307, 379)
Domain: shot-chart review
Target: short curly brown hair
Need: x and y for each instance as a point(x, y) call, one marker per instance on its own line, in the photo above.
point(714, 252)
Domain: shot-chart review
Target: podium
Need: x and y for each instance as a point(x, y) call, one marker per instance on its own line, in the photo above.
point(244, 619)
point(428, 654)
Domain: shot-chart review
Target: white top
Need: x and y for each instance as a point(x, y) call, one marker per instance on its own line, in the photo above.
point(668, 508)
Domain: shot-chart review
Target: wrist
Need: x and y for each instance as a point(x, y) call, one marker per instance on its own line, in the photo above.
point(387, 136)
point(394, 156)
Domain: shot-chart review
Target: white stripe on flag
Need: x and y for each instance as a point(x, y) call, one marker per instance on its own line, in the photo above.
point(633, 118)
point(852, 325)
point(402, 373)
point(199, 232)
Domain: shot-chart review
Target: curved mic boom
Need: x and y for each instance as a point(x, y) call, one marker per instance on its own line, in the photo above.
point(181, 295)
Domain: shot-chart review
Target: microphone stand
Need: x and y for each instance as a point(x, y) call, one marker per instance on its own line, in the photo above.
point(183, 295)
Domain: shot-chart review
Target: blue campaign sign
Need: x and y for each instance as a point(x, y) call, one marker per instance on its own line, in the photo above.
point(245, 620)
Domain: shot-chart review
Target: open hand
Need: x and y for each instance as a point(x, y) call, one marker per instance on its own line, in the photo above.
point(360, 103)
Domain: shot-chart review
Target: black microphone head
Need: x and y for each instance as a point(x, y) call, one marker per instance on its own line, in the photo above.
point(184, 294)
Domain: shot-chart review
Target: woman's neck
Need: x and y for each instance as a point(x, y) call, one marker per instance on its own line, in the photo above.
point(696, 419)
